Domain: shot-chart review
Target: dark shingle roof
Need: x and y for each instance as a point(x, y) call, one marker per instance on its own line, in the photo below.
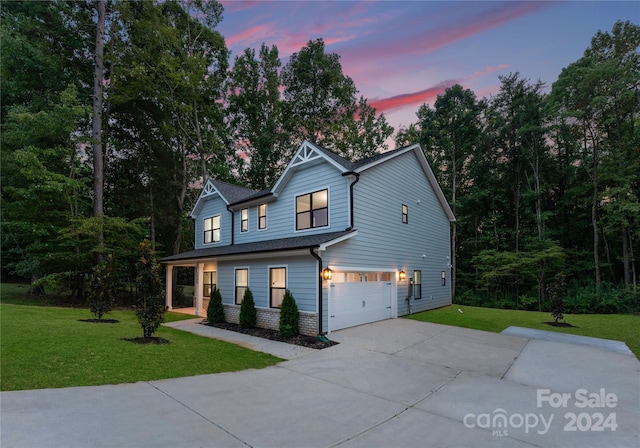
point(298, 242)
point(347, 164)
point(233, 193)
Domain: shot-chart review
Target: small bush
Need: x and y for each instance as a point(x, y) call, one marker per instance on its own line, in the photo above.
point(556, 292)
point(101, 294)
point(215, 310)
point(289, 315)
point(248, 315)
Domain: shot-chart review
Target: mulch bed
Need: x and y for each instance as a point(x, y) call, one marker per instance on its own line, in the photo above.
point(152, 340)
point(316, 342)
point(560, 324)
point(100, 321)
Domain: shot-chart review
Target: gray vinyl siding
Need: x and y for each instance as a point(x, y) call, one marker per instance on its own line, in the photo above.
point(385, 243)
point(213, 206)
point(281, 213)
point(301, 279)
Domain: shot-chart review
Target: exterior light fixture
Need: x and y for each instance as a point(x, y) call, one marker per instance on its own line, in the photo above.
point(326, 273)
point(402, 275)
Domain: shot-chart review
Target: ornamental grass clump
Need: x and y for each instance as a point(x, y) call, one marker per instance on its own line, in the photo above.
point(289, 315)
point(215, 311)
point(248, 315)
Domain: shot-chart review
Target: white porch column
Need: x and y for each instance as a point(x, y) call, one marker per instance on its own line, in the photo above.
point(169, 288)
point(199, 288)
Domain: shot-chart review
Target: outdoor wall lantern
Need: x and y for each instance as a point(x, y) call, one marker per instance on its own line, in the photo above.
point(326, 274)
point(402, 275)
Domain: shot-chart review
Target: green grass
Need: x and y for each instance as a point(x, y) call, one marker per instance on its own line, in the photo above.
point(48, 347)
point(619, 327)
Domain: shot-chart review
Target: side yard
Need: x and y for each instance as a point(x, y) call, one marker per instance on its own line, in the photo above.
point(48, 347)
point(619, 327)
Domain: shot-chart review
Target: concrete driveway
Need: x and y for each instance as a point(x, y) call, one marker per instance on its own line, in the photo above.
point(393, 383)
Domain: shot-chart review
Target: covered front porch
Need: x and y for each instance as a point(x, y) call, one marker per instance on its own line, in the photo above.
point(204, 282)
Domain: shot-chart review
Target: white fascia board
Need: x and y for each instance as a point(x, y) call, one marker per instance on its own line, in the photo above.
point(434, 184)
point(391, 156)
point(340, 239)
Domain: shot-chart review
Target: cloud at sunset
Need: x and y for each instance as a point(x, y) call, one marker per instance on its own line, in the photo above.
point(411, 99)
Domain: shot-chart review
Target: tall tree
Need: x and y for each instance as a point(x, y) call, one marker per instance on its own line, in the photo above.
point(598, 95)
point(451, 134)
point(255, 115)
point(96, 126)
point(319, 97)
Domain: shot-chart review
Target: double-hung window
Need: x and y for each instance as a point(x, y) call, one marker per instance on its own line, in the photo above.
point(262, 216)
point(209, 283)
point(417, 284)
point(405, 214)
point(242, 283)
point(277, 286)
point(212, 230)
point(244, 220)
point(312, 210)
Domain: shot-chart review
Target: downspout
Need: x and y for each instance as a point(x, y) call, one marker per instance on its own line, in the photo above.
point(232, 225)
point(317, 257)
point(357, 175)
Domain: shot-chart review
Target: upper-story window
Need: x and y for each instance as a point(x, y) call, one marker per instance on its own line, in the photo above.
point(212, 229)
point(244, 220)
point(262, 216)
point(312, 210)
point(405, 214)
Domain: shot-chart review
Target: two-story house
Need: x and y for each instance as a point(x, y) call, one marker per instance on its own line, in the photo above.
point(354, 242)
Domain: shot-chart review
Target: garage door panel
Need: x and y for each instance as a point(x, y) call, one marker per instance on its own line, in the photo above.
point(359, 303)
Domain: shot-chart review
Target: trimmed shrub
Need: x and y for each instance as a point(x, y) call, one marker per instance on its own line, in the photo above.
point(289, 315)
point(215, 310)
point(248, 314)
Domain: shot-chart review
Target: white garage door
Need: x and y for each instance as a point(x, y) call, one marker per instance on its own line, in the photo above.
point(356, 303)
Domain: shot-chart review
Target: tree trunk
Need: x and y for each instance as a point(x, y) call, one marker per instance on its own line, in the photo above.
point(96, 131)
point(594, 221)
point(625, 257)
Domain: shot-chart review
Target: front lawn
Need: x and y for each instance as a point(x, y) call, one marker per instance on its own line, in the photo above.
point(619, 327)
point(48, 347)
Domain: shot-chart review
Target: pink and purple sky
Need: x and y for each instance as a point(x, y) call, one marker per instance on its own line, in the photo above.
point(402, 54)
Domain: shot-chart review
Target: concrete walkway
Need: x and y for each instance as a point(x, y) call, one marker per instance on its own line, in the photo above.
point(393, 383)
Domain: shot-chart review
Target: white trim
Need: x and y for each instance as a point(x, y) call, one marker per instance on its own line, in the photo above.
point(388, 157)
point(199, 289)
point(340, 239)
point(295, 210)
point(208, 190)
point(307, 152)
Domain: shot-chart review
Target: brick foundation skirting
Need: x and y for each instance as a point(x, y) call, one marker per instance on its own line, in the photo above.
point(270, 318)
